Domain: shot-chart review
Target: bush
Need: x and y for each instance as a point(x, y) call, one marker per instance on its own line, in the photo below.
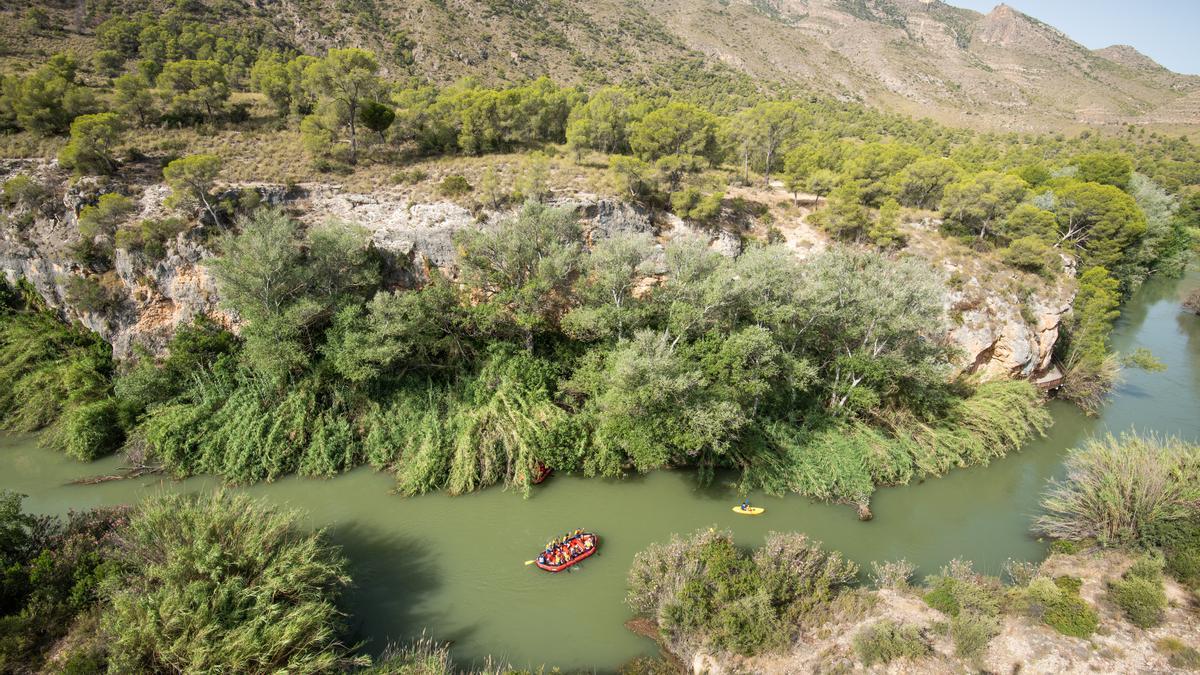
point(52, 570)
point(454, 185)
point(409, 177)
point(972, 632)
point(23, 191)
point(1179, 655)
point(1139, 593)
point(150, 236)
point(87, 294)
point(92, 430)
point(1056, 603)
point(892, 574)
point(704, 590)
point(248, 588)
point(92, 144)
point(1119, 490)
point(46, 369)
point(1030, 254)
point(887, 640)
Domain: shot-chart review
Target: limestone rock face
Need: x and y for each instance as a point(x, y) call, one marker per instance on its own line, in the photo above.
point(1004, 328)
point(998, 342)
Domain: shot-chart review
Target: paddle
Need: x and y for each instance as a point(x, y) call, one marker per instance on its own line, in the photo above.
point(530, 562)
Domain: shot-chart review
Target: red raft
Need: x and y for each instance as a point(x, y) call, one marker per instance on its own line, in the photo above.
point(584, 552)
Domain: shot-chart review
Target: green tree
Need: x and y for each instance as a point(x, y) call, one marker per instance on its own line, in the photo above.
point(611, 270)
point(91, 147)
point(287, 284)
point(522, 269)
point(922, 184)
point(631, 176)
point(108, 62)
point(602, 123)
point(1027, 220)
point(675, 129)
point(650, 404)
point(846, 217)
point(978, 203)
point(1099, 222)
point(885, 232)
point(397, 332)
point(377, 117)
point(48, 100)
point(820, 183)
point(35, 20)
point(347, 78)
point(102, 218)
point(1090, 369)
point(269, 76)
point(1106, 168)
point(763, 130)
point(874, 165)
point(191, 180)
point(133, 99)
point(194, 89)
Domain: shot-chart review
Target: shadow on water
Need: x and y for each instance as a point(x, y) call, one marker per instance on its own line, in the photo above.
point(394, 577)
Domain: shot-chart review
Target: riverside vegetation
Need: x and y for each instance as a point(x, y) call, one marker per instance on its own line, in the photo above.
point(824, 378)
point(1130, 499)
point(77, 592)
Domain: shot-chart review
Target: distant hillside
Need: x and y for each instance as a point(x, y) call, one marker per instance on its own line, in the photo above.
point(1000, 70)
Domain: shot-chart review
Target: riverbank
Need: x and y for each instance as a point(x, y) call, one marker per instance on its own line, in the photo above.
point(416, 564)
point(1021, 644)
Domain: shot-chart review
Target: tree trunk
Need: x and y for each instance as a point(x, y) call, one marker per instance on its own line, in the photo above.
point(353, 139)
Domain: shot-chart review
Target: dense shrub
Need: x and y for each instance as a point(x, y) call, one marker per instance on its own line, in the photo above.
point(1120, 490)
point(57, 376)
point(1139, 593)
point(703, 590)
point(1056, 603)
point(973, 603)
point(53, 569)
point(247, 587)
point(887, 640)
point(972, 632)
point(454, 185)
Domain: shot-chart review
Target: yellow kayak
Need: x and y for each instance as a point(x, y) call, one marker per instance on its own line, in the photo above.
point(752, 511)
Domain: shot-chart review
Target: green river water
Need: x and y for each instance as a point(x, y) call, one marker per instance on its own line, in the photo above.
point(453, 566)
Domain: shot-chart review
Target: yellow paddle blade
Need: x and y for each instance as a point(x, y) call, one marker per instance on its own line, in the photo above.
point(530, 562)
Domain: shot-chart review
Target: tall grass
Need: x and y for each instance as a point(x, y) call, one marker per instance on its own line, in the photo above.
point(1120, 490)
point(845, 462)
point(59, 377)
point(223, 583)
point(493, 427)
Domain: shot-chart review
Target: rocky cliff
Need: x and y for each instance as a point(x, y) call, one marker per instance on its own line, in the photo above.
point(1005, 328)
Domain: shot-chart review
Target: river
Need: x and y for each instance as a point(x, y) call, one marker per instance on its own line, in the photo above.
point(453, 566)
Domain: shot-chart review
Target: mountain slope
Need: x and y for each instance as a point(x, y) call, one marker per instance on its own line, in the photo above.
point(1000, 70)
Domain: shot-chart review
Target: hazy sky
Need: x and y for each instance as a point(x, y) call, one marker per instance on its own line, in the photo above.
point(1167, 31)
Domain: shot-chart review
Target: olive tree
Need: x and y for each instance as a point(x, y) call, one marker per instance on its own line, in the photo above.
point(523, 269)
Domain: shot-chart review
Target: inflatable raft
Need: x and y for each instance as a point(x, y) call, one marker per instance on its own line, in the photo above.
point(587, 552)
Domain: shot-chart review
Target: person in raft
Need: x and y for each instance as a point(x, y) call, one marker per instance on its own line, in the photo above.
point(562, 549)
point(745, 504)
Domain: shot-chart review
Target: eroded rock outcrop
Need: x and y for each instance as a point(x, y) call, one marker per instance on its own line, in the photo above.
point(1003, 328)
